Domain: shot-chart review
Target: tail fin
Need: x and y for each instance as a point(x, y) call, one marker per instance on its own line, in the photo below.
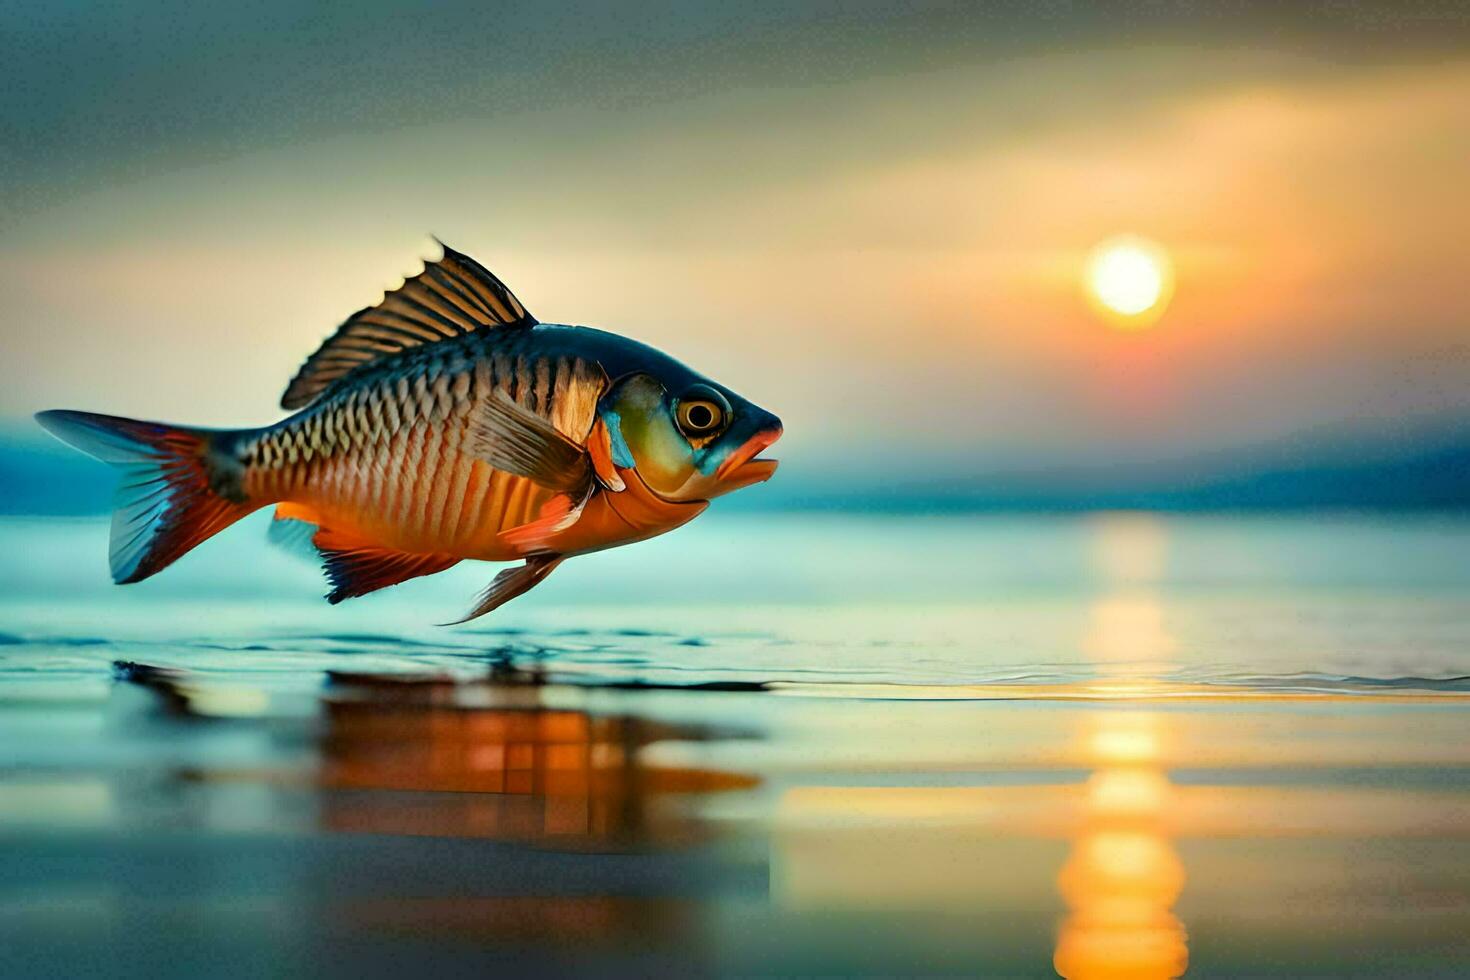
point(177, 489)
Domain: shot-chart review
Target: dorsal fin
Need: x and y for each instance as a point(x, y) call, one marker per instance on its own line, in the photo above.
point(451, 297)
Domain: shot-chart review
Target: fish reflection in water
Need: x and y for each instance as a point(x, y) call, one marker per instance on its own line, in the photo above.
point(505, 756)
point(503, 809)
point(435, 757)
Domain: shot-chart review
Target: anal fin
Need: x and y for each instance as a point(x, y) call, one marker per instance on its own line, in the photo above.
point(356, 568)
point(510, 583)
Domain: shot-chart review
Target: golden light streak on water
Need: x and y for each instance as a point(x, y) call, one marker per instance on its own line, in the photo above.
point(1123, 875)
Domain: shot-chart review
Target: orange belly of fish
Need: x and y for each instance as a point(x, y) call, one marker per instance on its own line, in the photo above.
point(420, 494)
point(460, 510)
point(469, 518)
point(633, 514)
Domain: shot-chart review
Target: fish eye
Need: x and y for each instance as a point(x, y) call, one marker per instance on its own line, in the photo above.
point(701, 411)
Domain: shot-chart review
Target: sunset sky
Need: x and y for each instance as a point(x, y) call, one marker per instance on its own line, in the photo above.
point(871, 219)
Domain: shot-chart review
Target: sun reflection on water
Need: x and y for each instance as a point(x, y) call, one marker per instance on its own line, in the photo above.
point(1123, 876)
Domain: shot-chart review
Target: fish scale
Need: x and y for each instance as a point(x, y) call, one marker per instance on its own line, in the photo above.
point(408, 432)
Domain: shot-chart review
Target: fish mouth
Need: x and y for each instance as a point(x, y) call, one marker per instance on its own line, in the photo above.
point(744, 467)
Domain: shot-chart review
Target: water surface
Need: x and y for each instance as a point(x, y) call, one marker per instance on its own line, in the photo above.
point(1114, 745)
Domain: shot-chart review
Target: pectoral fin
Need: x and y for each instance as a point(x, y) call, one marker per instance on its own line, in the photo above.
point(511, 583)
point(516, 440)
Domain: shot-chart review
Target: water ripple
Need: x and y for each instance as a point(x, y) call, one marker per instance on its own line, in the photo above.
point(649, 658)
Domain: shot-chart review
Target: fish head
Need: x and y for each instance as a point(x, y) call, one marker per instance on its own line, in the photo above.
point(688, 437)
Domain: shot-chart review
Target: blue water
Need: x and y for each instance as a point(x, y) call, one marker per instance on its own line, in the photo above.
point(1336, 602)
point(764, 745)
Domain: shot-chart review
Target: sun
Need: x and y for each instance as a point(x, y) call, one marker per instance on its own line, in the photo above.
point(1129, 278)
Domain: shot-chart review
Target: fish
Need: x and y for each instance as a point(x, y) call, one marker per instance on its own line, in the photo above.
point(444, 424)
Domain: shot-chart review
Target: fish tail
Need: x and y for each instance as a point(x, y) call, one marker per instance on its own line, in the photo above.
point(179, 486)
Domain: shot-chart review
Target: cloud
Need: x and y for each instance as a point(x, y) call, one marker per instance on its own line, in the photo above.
point(883, 250)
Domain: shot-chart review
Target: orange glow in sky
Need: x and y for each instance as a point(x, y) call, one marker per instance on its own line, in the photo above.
point(1285, 286)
